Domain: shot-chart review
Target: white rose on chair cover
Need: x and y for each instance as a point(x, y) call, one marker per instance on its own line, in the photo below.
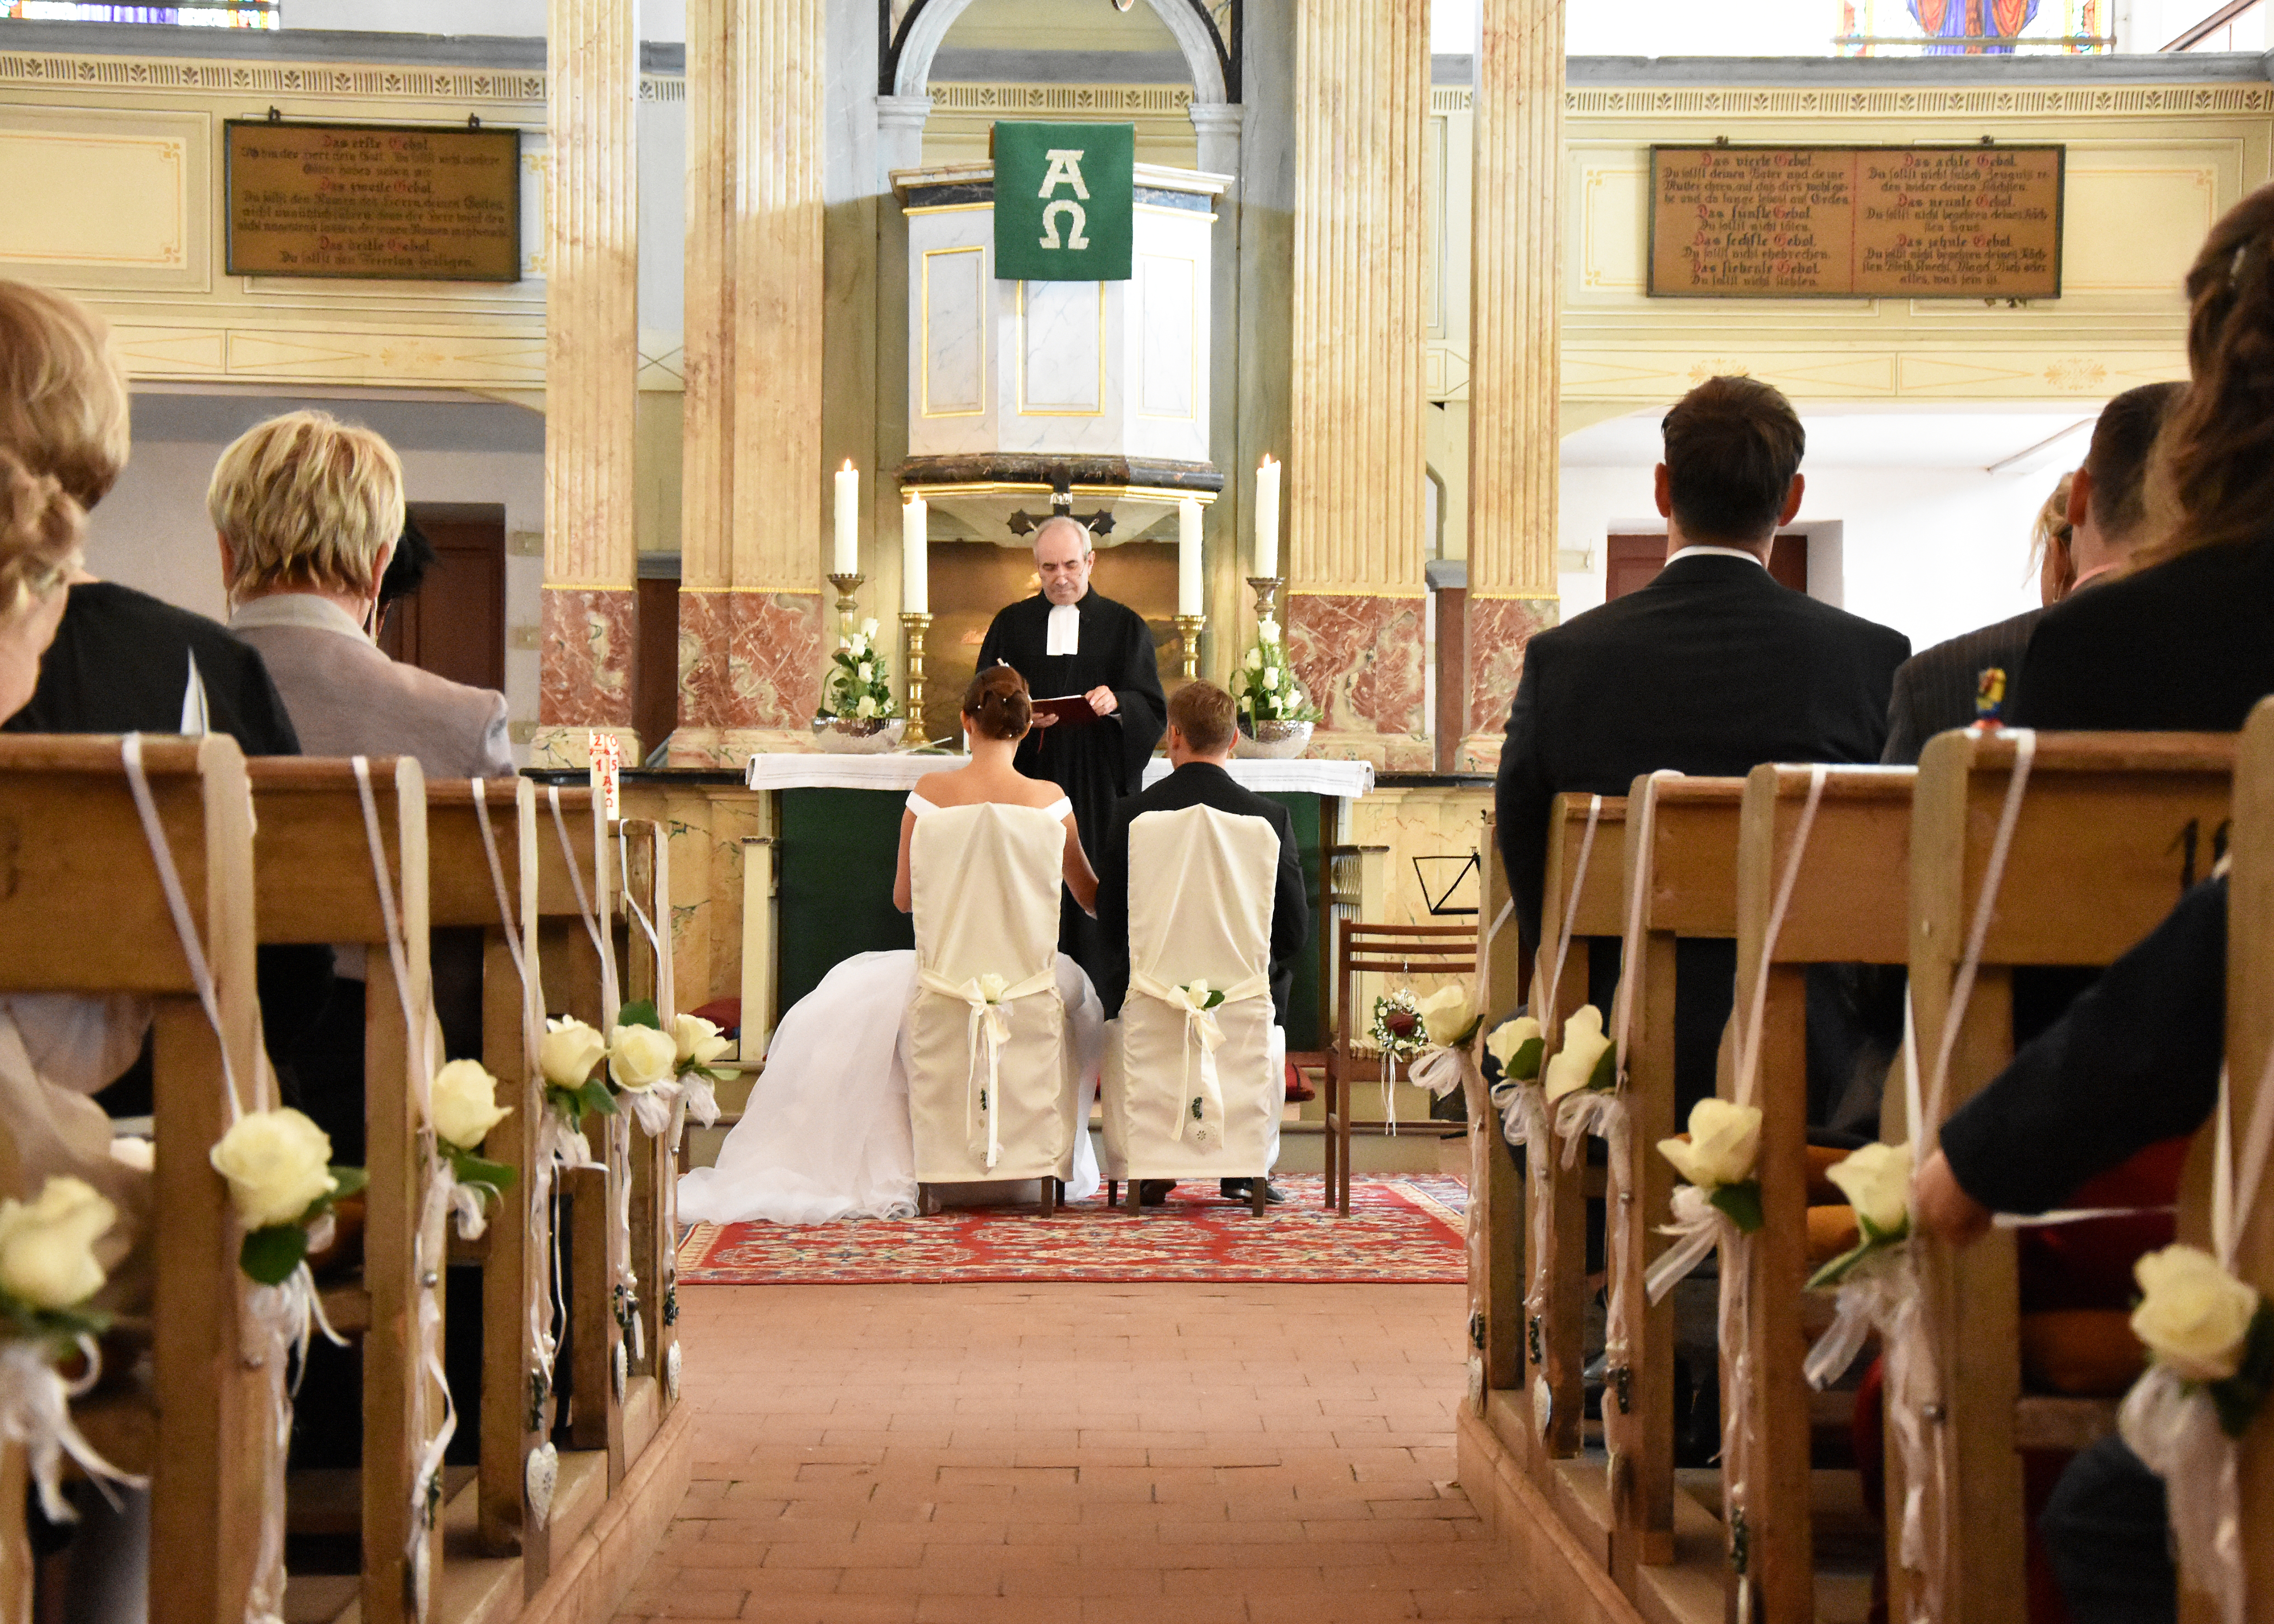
point(570, 1052)
point(2194, 1315)
point(991, 986)
point(1877, 1181)
point(465, 1107)
point(697, 1041)
point(47, 1249)
point(639, 1057)
point(1576, 1064)
point(278, 1164)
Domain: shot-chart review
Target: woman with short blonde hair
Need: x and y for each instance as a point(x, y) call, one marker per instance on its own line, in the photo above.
point(304, 502)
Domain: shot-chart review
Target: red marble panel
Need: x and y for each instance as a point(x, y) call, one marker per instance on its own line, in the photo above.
point(1499, 630)
point(1361, 661)
point(750, 660)
point(590, 633)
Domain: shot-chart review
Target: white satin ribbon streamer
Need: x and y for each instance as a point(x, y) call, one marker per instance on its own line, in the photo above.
point(2177, 1436)
point(1203, 1036)
point(1444, 1069)
point(588, 908)
point(991, 1029)
point(35, 1413)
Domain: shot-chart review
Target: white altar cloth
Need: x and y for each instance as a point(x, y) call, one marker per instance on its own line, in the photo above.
point(1347, 779)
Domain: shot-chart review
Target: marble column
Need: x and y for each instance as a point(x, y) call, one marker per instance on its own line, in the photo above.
point(1514, 378)
point(591, 361)
point(1356, 618)
point(750, 608)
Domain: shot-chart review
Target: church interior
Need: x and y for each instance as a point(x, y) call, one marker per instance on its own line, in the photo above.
point(740, 396)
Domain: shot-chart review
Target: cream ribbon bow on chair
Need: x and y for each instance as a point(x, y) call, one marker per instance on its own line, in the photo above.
point(1205, 1033)
point(989, 997)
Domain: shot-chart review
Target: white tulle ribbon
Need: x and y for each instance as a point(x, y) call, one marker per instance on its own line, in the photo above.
point(1202, 1106)
point(1523, 1121)
point(2176, 1435)
point(654, 1106)
point(36, 1415)
point(276, 1324)
point(1444, 1069)
point(989, 1029)
point(1696, 1231)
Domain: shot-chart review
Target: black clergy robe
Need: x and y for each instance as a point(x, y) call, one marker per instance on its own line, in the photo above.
point(1098, 764)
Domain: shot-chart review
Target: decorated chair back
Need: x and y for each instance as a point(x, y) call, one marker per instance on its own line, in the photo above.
point(1190, 1088)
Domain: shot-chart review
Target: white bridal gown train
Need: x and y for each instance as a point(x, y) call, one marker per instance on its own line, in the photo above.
point(826, 1132)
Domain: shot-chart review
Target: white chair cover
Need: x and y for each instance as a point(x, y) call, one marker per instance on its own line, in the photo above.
point(1194, 1094)
point(993, 1071)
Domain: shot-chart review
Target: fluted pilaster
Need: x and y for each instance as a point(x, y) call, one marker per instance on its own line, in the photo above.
point(591, 361)
point(1355, 462)
point(750, 610)
point(1515, 380)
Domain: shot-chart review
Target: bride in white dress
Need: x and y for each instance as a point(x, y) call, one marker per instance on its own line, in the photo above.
point(825, 1134)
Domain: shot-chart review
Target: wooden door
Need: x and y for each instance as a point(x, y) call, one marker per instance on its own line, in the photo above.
point(1632, 563)
point(454, 625)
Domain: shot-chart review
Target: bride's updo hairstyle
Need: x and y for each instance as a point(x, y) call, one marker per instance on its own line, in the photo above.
point(998, 705)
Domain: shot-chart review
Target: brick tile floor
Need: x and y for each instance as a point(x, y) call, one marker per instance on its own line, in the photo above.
point(1103, 1455)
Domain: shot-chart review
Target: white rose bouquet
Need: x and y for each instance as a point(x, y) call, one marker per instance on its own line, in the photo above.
point(568, 1057)
point(284, 1185)
point(462, 1103)
point(653, 1069)
point(699, 1045)
point(2212, 1331)
point(1717, 1158)
point(858, 686)
point(1877, 1181)
point(1587, 1059)
point(1449, 1020)
point(1267, 688)
point(48, 1268)
point(1517, 1046)
point(1399, 1030)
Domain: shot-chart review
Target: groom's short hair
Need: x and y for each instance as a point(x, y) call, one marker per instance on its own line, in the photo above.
point(1203, 712)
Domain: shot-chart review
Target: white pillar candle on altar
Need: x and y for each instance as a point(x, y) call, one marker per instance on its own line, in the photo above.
point(1267, 518)
point(915, 556)
point(1188, 557)
point(846, 556)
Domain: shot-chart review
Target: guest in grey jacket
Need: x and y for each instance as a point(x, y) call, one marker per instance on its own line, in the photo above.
point(308, 510)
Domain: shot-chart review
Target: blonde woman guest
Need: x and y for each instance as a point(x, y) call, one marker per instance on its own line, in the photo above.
point(307, 510)
point(122, 661)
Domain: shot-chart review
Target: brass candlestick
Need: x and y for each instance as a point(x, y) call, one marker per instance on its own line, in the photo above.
point(1188, 628)
point(1266, 589)
point(847, 606)
point(912, 633)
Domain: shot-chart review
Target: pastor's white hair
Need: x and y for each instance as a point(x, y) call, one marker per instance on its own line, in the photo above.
point(1089, 542)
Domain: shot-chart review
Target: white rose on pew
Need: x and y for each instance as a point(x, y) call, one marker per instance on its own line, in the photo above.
point(1724, 1142)
point(2194, 1315)
point(570, 1052)
point(1877, 1180)
point(1448, 1014)
point(1507, 1039)
point(1584, 1045)
point(47, 1249)
point(278, 1163)
point(697, 1041)
point(466, 1103)
point(639, 1057)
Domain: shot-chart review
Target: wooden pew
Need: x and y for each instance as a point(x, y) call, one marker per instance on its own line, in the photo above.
point(1588, 904)
point(646, 893)
point(1495, 1212)
point(1848, 904)
point(314, 883)
point(2250, 1057)
point(515, 1269)
point(2111, 829)
point(1689, 850)
point(76, 852)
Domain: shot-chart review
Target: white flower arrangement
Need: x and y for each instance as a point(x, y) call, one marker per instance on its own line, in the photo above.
point(1718, 1158)
point(462, 1104)
point(1269, 690)
point(2210, 1329)
point(282, 1184)
point(1517, 1045)
point(858, 686)
point(1587, 1060)
point(1877, 1181)
point(1399, 1031)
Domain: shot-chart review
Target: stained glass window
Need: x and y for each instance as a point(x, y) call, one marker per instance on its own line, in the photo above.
point(206, 14)
point(1972, 28)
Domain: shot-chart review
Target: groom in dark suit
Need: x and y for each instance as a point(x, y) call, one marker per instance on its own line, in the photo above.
point(1201, 734)
point(1710, 670)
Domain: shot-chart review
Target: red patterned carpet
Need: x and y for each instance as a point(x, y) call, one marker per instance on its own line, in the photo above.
point(1400, 1231)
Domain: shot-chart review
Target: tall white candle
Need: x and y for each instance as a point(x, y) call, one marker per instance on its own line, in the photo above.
point(845, 558)
point(1188, 557)
point(915, 556)
point(1267, 518)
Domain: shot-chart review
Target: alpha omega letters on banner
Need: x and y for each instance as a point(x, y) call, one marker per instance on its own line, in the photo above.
point(1063, 196)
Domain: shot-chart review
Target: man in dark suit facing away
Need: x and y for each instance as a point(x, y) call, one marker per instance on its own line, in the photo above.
point(1201, 734)
point(1710, 670)
point(2107, 514)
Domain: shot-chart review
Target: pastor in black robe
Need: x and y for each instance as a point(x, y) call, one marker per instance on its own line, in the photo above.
point(1096, 764)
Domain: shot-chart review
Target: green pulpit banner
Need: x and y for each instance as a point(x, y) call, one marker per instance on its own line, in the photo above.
point(1064, 194)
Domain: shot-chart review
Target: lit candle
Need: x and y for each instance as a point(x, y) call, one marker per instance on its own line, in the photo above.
point(1188, 557)
point(846, 558)
point(915, 556)
point(1267, 518)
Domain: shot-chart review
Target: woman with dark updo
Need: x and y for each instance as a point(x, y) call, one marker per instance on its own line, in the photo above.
point(826, 1132)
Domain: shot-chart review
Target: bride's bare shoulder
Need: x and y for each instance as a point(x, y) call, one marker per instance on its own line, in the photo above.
point(943, 789)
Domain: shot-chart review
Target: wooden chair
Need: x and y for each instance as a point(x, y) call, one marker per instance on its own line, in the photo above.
point(76, 851)
point(1848, 904)
point(1402, 950)
point(2110, 829)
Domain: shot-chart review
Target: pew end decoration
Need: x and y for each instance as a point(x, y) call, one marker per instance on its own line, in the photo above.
point(1580, 1081)
point(1450, 1023)
point(283, 1186)
point(653, 1070)
point(1717, 1158)
point(570, 1054)
point(464, 1108)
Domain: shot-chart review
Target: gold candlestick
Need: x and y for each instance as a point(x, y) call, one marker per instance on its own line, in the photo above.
point(1188, 628)
point(847, 606)
point(912, 633)
point(1266, 589)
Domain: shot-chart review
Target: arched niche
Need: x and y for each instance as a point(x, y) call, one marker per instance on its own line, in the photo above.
point(928, 28)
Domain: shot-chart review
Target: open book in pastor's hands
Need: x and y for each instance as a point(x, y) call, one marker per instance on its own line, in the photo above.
point(1068, 710)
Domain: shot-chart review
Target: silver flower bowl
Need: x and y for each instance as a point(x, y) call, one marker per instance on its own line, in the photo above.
point(1263, 739)
point(847, 735)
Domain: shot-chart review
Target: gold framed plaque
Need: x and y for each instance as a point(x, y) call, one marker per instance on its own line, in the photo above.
point(385, 202)
point(1799, 222)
